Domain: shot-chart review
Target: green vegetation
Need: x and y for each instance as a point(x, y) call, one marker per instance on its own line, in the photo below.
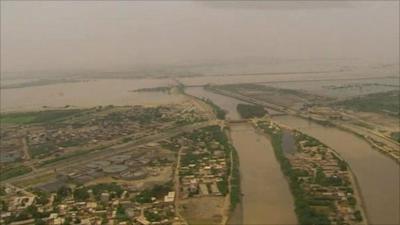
point(210, 136)
point(114, 189)
point(151, 216)
point(358, 216)
point(17, 118)
point(42, 197)
point(66, 156)
point(154, 89)
point(157, 191)
point(42, 149)
point(266, 90)
point(220, 113)
point(310, 141)
point(386, 102)
point(235, 180)
point(223, 187)
point(121, 215)
point(127, 139)
point(7, 173)
point(323, 180)
point(148, 115)
point(305, 213)
point(71, 143)
point(249, 111)
point(27, 213)
point(396, 136)
point(48, 116)
point(62, 193)
point(81, 194)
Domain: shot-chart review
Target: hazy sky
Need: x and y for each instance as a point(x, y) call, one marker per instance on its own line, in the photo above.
point(109, 35)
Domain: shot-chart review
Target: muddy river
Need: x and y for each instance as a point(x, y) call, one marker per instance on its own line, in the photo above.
point(267, 198)
point(226, 103)
point(377, 175)
point(266, 195)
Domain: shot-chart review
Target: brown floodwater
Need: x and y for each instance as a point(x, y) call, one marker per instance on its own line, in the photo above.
point(226, 103)
point(86, 94)
point(117, 91)
point(266, 195)
point(378, 176)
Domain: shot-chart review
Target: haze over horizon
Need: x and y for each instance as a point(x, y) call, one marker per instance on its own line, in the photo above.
point(125, 35)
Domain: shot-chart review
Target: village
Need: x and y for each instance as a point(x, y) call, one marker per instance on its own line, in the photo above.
point(321, 180)
point(143, 186)
point(55, 135)
point(97, 204)
point(204, 163)
point(203, 174)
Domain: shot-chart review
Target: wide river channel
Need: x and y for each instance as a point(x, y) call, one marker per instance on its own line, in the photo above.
point(266, 196)
point(264, 188)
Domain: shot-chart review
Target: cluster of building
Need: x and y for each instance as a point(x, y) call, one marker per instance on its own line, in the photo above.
point(326, 180)
point(107, 124)
point(136, 169)
point(145, 161)
point(203, 167)
point(90, 128)
point(108, 208)
point(11, 145)
point(132, 166)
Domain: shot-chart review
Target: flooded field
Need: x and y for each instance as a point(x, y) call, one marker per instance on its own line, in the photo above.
point(377, 175)
point(118, 91)
point(342, 88)
point(267, 198)
point(278, 77)
point(85, 94)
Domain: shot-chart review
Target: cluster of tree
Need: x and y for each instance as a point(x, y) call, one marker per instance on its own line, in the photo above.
point(323, 180)
point(154, 89)
point(305, 213)
point(31, 212)
point(13, 171)
point(249, 111)
point(341, 163)
point(386, 102)
point(62, 193)
point(82, 193)
point(113, 188)
point(223, 186)
point(48, 116)
point(310, 141)
point(190, 158)
point(220, 113)
point(235, 193)
point(158, 191)
point(395, 136)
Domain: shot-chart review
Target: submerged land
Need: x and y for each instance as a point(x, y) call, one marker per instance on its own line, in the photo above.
point(216, 154)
